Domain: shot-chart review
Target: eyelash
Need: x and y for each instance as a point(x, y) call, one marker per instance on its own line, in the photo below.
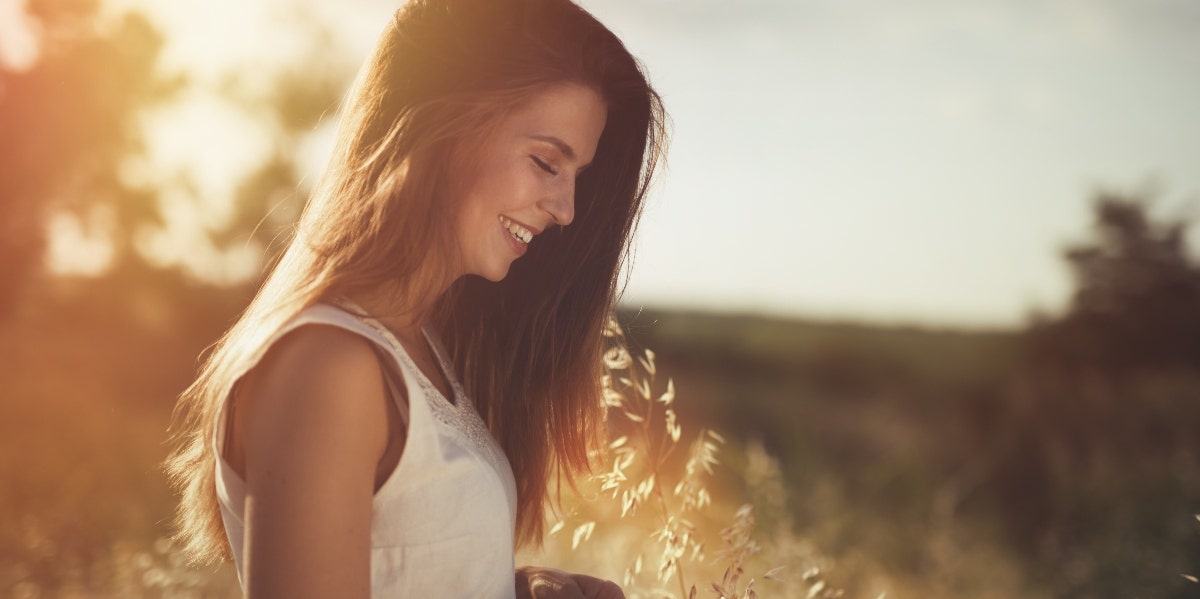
point(543, 165)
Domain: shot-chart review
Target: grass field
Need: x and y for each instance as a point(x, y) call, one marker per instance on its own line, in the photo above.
point(918, 463)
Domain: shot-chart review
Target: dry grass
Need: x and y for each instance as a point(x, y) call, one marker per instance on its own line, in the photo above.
point(83, 418)
point(88, 386)
point(656, 509)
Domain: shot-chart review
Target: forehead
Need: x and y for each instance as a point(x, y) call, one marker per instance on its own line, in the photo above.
point(573, 113)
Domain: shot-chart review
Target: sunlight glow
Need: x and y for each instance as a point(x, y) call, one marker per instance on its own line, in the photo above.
point(212, 141)
point(859, 160)
point(18, 41)
point(77, 249)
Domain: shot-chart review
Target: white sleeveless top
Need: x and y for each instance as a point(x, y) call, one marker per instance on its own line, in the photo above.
point(442, 524)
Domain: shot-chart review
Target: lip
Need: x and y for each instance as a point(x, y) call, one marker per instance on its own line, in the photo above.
point(532, 229)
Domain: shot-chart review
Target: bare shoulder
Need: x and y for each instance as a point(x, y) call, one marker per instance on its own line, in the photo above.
point(318, 382)
point(322, 351)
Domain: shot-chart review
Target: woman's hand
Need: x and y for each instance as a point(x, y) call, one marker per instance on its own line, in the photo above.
point(549, 583)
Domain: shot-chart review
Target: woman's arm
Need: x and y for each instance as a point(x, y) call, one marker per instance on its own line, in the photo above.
point(315, 428)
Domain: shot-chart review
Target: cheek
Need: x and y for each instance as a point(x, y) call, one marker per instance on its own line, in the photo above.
point(507, 189)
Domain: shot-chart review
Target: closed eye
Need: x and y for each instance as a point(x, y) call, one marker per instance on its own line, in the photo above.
point(543, 165)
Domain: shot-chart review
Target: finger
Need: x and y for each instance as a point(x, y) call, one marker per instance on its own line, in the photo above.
point(595, 588)
point(548, 583)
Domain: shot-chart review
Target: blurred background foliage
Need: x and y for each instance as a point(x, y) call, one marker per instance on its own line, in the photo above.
point(1057, 460)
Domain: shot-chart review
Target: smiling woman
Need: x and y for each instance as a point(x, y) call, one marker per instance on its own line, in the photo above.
point(526, 181)
point(384, 418)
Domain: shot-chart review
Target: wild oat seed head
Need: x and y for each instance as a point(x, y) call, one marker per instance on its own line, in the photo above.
point(582, 533)
point(669, 396)
point(617, 358)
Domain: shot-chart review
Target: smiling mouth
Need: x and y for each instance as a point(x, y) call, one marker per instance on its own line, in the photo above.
point(518, 232)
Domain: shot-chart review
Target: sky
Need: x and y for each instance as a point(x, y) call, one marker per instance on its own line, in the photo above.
point(920, 162)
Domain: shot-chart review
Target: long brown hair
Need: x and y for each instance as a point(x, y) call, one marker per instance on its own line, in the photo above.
point(528, 349)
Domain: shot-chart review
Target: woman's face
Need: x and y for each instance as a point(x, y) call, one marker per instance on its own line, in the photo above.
point(524, 181)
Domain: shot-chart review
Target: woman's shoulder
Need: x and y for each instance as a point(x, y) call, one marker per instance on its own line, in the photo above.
point(322, 350)
point(320, 356)
point(320, 335)
point(316, 376)
point(317, 393)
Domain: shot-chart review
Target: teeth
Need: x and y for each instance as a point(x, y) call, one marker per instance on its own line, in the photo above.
point(518, 232)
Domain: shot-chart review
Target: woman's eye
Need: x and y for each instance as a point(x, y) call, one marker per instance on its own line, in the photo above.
point(543, 165)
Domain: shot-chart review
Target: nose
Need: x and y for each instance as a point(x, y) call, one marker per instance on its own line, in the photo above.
point(560, 205)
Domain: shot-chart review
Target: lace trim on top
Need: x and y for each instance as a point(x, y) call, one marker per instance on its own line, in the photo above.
point(462, 416)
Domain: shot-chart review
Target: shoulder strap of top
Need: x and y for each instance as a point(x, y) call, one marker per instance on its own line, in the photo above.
point(394, 380)
point(447, 365)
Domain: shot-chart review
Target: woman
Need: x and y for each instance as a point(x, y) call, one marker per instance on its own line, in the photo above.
point(386, 415)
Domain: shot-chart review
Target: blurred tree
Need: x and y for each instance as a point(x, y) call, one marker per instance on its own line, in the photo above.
point(71, 123)
point(294, 104)
point(67, 123)
point(1106, 413)
point(1136, 305)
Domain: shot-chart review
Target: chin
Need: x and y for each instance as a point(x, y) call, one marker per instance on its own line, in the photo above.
point(496, 276)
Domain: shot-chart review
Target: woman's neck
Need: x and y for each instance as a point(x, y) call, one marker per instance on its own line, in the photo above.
point(404, 317)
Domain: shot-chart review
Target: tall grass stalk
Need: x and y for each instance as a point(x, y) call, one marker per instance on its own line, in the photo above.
point(649, 435)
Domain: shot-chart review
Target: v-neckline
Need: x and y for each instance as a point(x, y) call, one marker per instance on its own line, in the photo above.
point(439, 362)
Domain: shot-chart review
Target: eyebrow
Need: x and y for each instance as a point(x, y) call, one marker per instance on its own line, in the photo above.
point(563, 146)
